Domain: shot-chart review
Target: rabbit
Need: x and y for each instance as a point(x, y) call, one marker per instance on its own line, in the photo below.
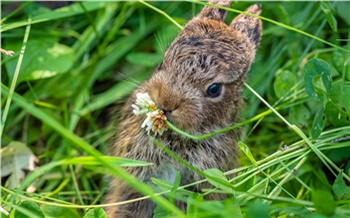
point(198, 86)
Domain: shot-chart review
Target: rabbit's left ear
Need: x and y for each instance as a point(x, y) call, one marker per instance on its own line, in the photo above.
point(215, 13)
point(249, 27)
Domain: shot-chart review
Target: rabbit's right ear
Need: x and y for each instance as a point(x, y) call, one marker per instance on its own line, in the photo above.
point(215, 13)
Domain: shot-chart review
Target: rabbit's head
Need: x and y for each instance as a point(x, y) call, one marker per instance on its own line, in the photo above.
point(199, 83)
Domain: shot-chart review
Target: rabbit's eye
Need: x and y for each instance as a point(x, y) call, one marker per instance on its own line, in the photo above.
point(214, 90)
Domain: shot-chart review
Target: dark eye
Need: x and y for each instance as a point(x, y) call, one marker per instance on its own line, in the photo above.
point(214, 90)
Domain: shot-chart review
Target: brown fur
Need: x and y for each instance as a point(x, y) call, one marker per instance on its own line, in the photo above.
point(206, 51)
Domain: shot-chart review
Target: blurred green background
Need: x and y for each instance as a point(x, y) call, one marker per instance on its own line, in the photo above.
point(83, 59)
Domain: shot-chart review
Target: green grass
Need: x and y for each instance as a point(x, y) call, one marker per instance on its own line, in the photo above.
point(81, 60)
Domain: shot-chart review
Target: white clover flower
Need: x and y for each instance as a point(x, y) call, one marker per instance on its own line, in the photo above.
point(145, 101)
point(154, 117)
point(138, 111)
point(148, 123)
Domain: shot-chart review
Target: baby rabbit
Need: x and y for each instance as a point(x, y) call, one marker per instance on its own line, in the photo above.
point(198, 86)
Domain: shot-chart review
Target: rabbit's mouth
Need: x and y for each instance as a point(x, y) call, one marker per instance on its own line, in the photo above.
point(185, 121)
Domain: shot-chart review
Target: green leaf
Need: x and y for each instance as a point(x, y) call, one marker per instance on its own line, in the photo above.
point(317, 124)
point(338, 155)
point(160, 212)
point(320, 89)
point(59, 212)
point(320, 197)
point(328, 13)
point(247, 152)
point(198, 207)
point(339, 59)
point(166, 186)
point(177, 180)
point(284, 83)
point(95, 213)
point(248, 184)
point(257, 209)
point(340, 189)
point(316, 67)
point(218, 179)
point(30, 206)
point(340, 94)
point(212, 208)
point(163, 184)
point(299, 115)
point(193, 201)
point(232, 208)
point(145, 59)
point(174, 194)
point(43, 58)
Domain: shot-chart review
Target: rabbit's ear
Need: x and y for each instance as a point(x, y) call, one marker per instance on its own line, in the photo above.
point(215, 13)
point(249, 27)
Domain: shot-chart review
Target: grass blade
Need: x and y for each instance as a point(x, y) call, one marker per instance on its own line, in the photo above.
point(15, 77)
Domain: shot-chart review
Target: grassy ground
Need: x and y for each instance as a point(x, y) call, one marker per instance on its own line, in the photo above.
point(80, 60)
